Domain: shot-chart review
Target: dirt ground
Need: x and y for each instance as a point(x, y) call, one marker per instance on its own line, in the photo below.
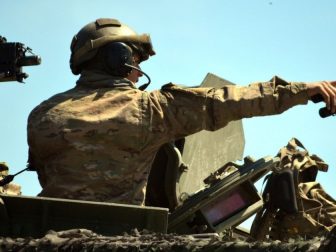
point(86, 240)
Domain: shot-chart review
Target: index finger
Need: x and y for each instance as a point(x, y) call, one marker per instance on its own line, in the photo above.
point(333, 83)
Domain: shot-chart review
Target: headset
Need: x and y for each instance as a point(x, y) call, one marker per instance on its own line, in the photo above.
point(118, 59)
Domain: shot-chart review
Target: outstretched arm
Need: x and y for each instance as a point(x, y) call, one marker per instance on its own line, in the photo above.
point(177, 112)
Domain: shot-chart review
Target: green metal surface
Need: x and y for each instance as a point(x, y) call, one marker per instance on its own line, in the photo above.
point(34, 216)
point(206, 151)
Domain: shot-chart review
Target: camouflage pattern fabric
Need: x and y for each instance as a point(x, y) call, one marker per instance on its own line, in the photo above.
point(11, 188)
point(97, 141)
point(86, 240)
point(316, 209)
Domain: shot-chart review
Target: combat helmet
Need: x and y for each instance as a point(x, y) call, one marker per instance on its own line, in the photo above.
point(90, 38)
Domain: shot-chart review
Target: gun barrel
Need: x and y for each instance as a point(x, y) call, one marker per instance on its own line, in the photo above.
point(29, 61)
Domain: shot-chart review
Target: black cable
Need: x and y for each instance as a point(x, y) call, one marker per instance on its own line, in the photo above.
point(144, 86)
point(9, 178)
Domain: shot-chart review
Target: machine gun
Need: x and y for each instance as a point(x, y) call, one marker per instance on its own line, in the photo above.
point(13, 58)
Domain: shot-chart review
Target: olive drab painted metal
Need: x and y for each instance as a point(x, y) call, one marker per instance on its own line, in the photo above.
point(34, 216)
point(206, 151)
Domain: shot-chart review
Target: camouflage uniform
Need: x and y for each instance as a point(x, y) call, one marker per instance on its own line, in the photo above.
point(97, 141)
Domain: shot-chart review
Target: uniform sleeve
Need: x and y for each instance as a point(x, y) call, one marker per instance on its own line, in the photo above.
point(184, 111)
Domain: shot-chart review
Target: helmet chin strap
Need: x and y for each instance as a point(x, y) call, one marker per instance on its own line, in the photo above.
point(144, 86)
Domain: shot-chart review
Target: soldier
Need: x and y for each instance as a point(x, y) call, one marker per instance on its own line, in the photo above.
point(97, 140)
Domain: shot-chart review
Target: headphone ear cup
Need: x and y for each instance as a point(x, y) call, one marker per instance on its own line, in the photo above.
point(116, 55)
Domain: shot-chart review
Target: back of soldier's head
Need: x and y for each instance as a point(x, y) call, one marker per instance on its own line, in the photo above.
point(108, 45)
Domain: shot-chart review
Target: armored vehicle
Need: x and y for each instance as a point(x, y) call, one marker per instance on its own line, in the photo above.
point(196, 186)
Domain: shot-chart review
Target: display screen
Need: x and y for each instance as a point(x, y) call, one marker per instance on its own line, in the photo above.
point(226, 206)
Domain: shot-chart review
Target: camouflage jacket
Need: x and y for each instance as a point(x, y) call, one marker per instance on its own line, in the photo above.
point(97, 141)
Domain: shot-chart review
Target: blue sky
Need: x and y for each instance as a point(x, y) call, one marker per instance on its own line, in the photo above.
point(242, 41)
